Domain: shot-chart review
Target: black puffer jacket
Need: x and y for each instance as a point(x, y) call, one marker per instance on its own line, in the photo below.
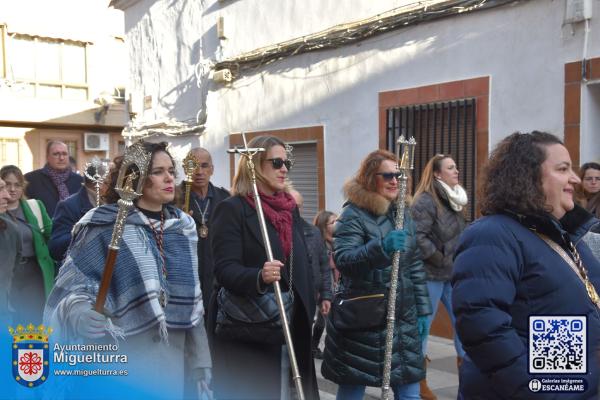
point(357, 357)
point(438, 230)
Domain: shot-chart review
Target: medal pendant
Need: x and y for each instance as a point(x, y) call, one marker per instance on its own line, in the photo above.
point(592, 293)
point(203, 231)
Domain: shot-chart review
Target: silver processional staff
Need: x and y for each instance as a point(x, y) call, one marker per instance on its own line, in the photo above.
point(405, 155)
point(248, 154)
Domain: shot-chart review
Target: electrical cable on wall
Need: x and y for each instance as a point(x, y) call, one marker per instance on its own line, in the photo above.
point(353, 32)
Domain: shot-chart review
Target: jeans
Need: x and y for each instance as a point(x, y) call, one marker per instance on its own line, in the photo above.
point(357, 392)
point(442, 291)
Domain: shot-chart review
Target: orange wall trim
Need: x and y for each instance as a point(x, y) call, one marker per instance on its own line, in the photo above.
point(572, 116)
point(478, 88)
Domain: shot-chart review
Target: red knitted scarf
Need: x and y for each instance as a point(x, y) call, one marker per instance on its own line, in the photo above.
point(278, 211)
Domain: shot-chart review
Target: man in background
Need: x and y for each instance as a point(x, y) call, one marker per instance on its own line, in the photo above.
point(55, 181)
point(69, 212)
point(203, 199)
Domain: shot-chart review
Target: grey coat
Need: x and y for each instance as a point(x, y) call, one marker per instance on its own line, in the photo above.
point(10, 248)
point(319, 261)
point(438, 229)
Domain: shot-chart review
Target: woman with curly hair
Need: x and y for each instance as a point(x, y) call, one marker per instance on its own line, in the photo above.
point(364, 241)
point(589, 190)
point(524, 257)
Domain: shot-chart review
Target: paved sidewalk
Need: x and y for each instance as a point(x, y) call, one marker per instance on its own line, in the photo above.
point(442, 374)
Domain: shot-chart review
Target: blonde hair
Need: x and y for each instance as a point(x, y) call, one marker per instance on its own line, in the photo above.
point(242, 181)
point(428, 177)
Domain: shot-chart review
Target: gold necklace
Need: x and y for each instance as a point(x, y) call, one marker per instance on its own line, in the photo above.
point(576, 264)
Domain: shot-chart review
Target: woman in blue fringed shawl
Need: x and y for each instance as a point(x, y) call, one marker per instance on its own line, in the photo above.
point(154, 305)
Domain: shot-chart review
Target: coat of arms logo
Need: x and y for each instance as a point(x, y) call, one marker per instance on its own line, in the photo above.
point(30, 354)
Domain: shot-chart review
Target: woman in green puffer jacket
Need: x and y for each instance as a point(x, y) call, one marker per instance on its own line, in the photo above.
point(364, 241)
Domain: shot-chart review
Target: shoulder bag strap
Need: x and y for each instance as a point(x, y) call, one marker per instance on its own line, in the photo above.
point(37, 212)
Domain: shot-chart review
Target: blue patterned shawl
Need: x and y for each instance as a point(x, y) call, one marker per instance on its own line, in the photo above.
point(132, 301)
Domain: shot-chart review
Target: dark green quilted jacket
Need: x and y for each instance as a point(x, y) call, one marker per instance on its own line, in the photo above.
point(357, 357)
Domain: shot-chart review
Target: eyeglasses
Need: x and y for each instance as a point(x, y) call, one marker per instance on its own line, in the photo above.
point(592, 178)
point(280, 162)
point(388, 176)
point(204, 165)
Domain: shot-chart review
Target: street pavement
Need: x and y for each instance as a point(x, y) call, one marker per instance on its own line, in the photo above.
point(442, 375)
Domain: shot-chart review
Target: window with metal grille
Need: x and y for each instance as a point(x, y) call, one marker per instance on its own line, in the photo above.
point(439, 128)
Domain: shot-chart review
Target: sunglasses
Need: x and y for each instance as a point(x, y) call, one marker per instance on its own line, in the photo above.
point(388, 176)
point(280, 162)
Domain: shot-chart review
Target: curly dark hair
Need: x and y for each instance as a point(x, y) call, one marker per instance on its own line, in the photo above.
point(110, 195)
point(512, 176)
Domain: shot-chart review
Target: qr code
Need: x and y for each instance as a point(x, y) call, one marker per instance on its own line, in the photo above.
point(557, 344)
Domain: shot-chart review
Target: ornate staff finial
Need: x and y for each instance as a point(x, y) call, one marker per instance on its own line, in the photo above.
point(99, 175)
point(405, 153)
point(248, 153)
point(135, 165)
point(190, 164)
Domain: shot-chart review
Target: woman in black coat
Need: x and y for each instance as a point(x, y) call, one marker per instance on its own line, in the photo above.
point(245, 368)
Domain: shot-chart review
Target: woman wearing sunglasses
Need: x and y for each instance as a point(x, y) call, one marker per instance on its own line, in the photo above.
point(364, 242)
point(589, 190)
point(248, 364)
point(438, 213)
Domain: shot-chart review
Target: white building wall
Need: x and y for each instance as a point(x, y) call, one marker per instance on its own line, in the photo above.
point(87, 21)
point(522, 48)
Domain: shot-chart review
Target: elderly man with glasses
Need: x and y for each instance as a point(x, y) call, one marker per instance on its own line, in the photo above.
point(55, 181)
